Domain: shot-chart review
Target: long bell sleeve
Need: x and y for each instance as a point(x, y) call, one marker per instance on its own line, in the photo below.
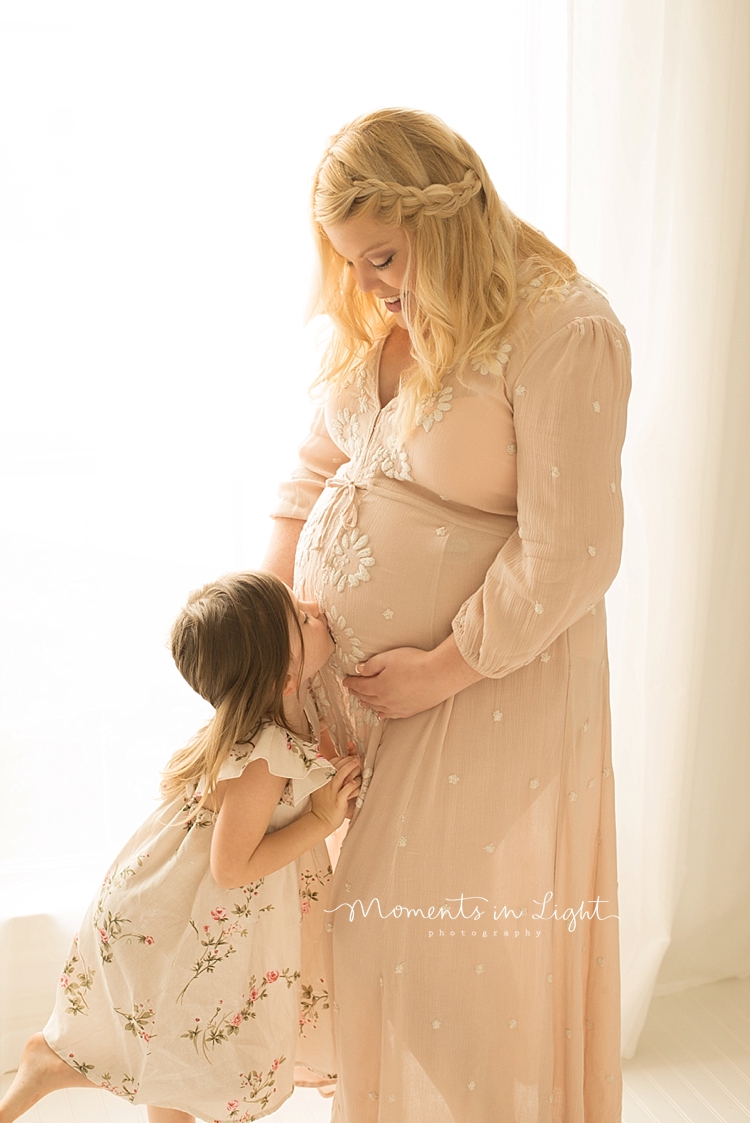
point(569, 401)
point(319, 459)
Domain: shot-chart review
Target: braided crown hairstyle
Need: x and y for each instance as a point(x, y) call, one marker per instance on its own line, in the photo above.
point(406, 168)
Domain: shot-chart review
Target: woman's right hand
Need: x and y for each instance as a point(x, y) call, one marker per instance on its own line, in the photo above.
point(330, 803)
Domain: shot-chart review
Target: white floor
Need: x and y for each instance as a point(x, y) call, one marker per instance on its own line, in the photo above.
point(692, 1066)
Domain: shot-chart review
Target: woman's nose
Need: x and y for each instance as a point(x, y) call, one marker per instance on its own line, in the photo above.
point(366, 278)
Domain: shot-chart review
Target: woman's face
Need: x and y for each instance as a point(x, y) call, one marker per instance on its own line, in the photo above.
point(377, 254)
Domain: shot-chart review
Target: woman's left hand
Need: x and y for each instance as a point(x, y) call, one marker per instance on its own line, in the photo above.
point(406, 680)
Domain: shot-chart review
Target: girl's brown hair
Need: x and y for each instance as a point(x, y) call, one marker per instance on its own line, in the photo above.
point(231, 643)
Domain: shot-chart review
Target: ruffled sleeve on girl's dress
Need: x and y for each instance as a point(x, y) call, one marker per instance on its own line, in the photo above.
point(285, 755)
point(569, 402)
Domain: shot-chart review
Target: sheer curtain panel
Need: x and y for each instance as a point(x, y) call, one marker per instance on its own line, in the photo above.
point(659, 213)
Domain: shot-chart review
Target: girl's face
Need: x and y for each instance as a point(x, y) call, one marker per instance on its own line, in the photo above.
point(318, 641)
point(377, 255)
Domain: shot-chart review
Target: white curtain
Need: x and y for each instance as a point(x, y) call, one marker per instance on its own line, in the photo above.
point(659, 213)
point(156, 160)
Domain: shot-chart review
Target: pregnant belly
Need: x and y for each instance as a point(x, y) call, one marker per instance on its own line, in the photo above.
point(391, 564)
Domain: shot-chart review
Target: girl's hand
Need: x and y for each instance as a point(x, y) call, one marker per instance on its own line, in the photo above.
point(330, 803)
point(406, 681)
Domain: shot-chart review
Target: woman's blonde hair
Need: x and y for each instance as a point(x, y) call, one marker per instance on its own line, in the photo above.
point(468, 250)
point(231, 643)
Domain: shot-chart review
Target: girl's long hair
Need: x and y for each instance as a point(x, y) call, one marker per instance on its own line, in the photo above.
point(469, 254)
point(231, 643)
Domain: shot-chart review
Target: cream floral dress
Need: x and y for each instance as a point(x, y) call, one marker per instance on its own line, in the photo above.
point(475, 977)
point(180, 994)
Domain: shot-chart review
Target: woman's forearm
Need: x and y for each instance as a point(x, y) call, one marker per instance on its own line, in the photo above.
point(282, 547)
point(450, 668)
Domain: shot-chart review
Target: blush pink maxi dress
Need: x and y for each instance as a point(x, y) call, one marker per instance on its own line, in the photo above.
point(474, 939)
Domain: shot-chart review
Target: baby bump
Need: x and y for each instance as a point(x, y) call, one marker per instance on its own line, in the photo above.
point(391, 564)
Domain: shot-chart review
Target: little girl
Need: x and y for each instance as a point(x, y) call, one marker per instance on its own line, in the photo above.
point(194, 985)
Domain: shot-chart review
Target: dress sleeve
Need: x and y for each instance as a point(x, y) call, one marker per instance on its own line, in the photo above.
point(569, 402)
point(319, 459)
point(297, 760)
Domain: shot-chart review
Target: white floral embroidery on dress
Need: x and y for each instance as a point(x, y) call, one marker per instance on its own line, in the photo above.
point(490, 848)
point(364, 398)
point(453, 778)
point(549, 978)
point(572, 796)
point(399, 968)
point(600, 961)
point(591, 783)
point(359, 377)
point(612, 487)
point(351, 559)
point(555, 473)
point(392, 1098)
point(592, 551)
point(545, 656)
point(561, 293)
point(348, 647)
point(520, 390)
point(497, 715)
point(538, 608)
point(569, 1033)
point(512, 1023)
point(346, 432)
point(436, 1024)
point(511, 449)
point(597, 407)
point(534, 783)
point(391, 460)
point(432, 408)
point(441, 531)
point(402, 841)
point(497, 363)
point(609, 1078)
point(471, 1085)
point(479, 968)
point(388, 613)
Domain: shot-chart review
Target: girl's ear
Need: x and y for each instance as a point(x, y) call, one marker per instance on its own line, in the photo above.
point(290, 684)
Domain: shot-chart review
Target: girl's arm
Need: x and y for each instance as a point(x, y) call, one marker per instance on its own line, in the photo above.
point(242, 852)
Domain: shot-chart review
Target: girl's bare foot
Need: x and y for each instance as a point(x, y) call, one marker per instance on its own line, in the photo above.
point(41, 1071)
point(168, 1115)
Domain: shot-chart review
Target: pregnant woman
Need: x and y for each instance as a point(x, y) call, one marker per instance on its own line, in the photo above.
point(457, 513)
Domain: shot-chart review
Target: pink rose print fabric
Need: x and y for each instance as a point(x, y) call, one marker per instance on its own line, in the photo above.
point(184, 995)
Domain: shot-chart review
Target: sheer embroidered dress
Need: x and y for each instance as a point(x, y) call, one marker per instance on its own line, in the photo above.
point(498, 518)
